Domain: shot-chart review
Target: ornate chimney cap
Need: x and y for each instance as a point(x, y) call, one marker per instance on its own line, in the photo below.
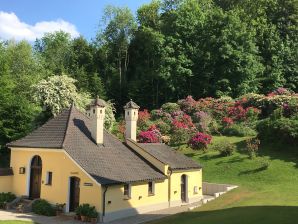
point(131, 105)
point(98, 102)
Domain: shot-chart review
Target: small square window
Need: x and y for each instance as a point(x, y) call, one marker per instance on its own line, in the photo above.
point(49, 178)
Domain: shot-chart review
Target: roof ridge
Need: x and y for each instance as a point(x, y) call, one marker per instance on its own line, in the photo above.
point(67, 125)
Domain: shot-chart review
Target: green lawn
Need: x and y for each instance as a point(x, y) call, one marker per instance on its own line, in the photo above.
point(15, 222)
point(264, 196)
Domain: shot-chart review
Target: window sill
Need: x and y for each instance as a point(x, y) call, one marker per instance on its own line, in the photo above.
point(151, 194)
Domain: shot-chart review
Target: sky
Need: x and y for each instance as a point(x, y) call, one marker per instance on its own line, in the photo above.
point(30, 19)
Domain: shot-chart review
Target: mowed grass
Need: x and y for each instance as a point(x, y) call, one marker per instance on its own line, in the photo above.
point(264, 196)
point(15, 222)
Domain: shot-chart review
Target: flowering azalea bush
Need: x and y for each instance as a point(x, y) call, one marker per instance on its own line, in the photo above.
point(152, 135)
point(144, 120)
point(196, 119)
point(184, 122)
point(188, 104)
point(200, 141)
point(227, 121)
point(267, 104)
point(279, 91)
point(203, 121)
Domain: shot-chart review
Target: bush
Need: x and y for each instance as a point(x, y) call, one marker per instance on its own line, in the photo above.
point(164, 127)
point(238, 130)
point(203, 121)
point(5, 198)
point(200, 141)
point(180, 136)
point(170, 107)
point(225, 148)
point(42, 207)
point(143, 119)
point(152, 135)
point(86, 210)
point(280, 130)
point(264, 163)
point(252, 146)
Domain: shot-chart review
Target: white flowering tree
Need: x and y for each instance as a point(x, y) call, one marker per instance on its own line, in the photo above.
point(58, 92)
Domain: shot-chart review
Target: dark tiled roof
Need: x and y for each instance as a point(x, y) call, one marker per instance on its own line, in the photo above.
point(6, 172)
point(49, 135)
point(110, 163)
point(169, 156)
point(131, 105)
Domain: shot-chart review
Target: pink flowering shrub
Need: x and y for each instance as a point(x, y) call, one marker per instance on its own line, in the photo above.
point(152, 135)
point(183, 122)
point(200, 141)
point(188, 105)
point(227, 121)
point(216, 108)
point(144, 116)
point(203, 121)
point(279, 91)
point(239, 113)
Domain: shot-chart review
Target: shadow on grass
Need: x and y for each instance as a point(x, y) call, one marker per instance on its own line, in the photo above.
point(243, 215)
point(257, 170)
point(281, 152)
point(236, 159)
point(208, 157)
point(287, 153)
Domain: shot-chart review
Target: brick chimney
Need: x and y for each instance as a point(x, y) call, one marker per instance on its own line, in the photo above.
point(96, 112)
point(131, 118)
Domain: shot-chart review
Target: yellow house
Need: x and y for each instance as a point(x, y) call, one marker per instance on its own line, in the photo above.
point(71, 159)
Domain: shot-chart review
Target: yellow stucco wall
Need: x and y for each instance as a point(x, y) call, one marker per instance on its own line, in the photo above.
point(5, 183)
point(58, 162)
point(194, 179)
point(139, 196)
point(63, 167)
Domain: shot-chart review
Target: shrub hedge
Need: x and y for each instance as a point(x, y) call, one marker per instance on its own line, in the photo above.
point(42, 207)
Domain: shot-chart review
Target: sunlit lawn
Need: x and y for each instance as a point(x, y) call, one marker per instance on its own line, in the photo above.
point(264, 196)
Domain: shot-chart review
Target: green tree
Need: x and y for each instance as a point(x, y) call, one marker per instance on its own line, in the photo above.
point(58, 92)
point(54, 50)
point(114, 40)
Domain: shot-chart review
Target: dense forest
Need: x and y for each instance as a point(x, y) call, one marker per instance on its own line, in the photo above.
point(170, 49)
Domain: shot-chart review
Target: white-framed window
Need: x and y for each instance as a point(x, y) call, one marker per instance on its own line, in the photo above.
point(127, 190)
point(151, 188)
point(49, 178)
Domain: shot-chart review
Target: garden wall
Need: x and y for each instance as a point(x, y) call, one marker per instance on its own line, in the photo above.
point(216, 189)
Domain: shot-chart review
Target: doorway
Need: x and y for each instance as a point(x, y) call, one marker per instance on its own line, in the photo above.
point(35, 177)
point(184, 188)
point(74, 193)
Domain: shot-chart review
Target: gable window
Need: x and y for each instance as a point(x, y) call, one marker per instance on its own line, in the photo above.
point(127, 190)
point(49, 178)
point(151, 188)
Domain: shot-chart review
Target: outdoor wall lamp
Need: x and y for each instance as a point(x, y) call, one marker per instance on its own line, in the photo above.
point(22, 170)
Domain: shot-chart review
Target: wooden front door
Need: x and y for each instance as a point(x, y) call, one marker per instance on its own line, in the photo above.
point(183, 188)
point(74, 194)
point(35, 177)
